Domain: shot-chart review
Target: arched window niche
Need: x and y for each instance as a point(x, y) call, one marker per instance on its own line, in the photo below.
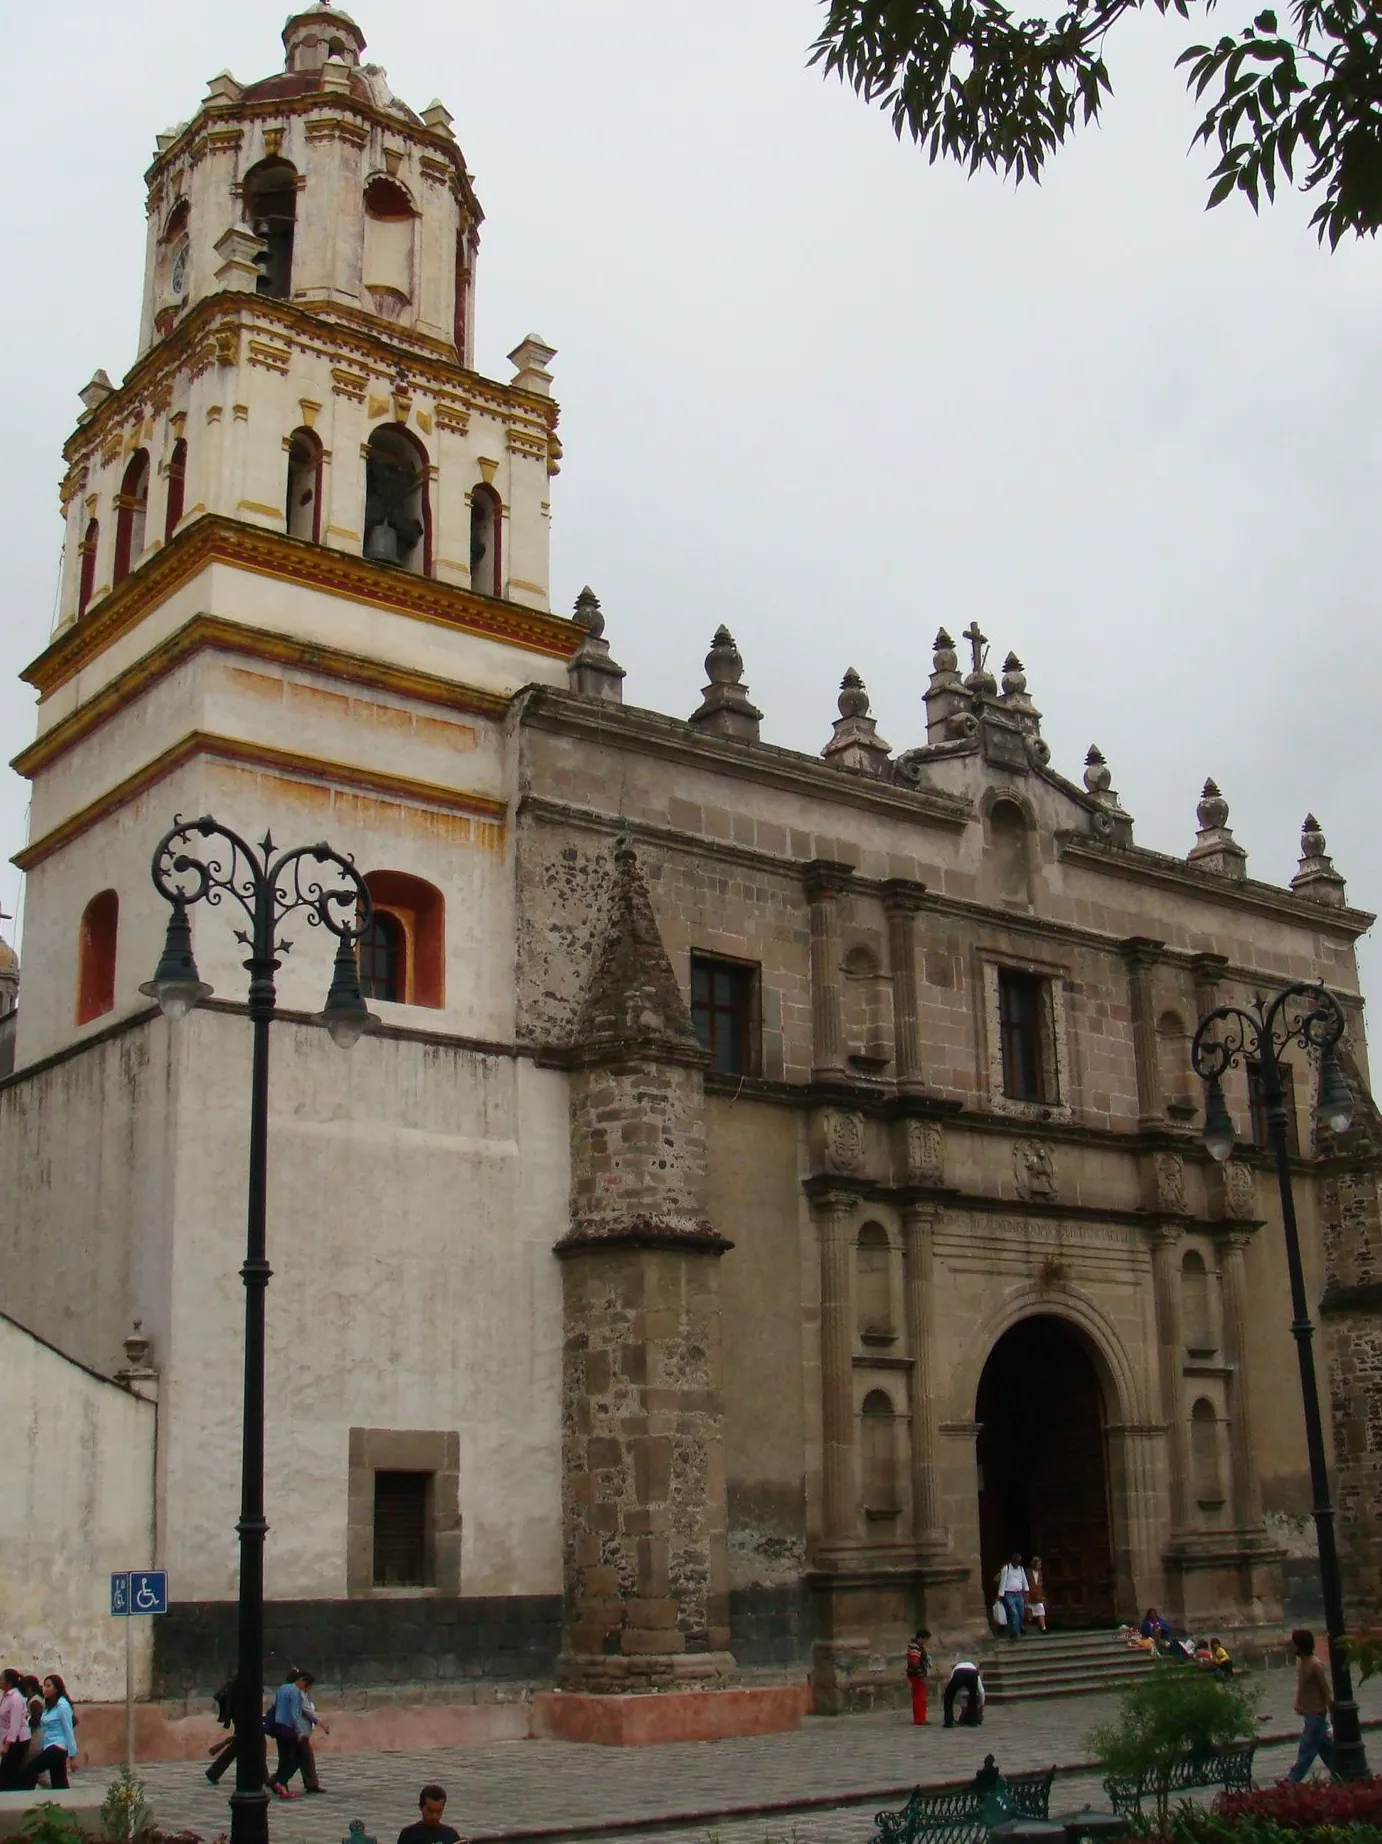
point(1008, 831)
point(388, 255)
point(177, 489)
point(131, 515)
point(398, 517)
point(96, 945)
point(486, 541)
point(403, 952)
point(302, 510)
point(271, 202)
point(86, 574)
point(878, 1458)
point(1196, 1308)
point(874, 1292)
point(1204, 1456)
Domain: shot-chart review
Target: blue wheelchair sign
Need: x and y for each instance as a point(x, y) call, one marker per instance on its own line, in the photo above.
point(139, 1591)
point(149, 1591)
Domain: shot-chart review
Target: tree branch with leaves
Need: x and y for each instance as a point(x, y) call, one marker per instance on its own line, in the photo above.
point(972, 82)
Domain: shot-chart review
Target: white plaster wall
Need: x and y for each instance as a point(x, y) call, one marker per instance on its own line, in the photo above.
point(412, 1220)
point(76, 1504)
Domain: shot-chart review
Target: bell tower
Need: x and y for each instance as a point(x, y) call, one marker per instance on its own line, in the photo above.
point(303, 470)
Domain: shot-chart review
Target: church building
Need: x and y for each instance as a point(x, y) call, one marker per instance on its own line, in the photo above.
point(772, 1191)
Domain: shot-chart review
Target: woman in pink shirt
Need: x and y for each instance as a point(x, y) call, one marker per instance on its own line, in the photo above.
point(14, 1730)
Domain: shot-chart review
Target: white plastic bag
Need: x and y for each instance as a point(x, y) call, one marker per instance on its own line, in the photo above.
point(1000, 1613)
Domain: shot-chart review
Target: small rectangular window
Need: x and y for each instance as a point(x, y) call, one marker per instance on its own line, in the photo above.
point(400, 1529)
point(1027, 1031)
point(1257, 1102)
point(724, 1010)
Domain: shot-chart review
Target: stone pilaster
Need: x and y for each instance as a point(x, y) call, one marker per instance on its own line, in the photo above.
point(902, 901)
point(918, 1224)
point(1170, 1358)
point(1247, 1486)
point(833, 1211)
point(1207, 972)
point(1140, 956)
point(826, 882)
point(643, 1490)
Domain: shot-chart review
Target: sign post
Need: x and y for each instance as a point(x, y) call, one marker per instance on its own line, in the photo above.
point(134, 1592)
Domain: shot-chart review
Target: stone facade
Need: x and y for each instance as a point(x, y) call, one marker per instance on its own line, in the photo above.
point(740, 1121)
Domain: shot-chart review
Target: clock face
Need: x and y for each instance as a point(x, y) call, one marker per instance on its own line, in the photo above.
point(177, 280)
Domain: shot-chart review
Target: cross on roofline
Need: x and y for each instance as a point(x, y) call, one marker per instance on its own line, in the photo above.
point(978, 644)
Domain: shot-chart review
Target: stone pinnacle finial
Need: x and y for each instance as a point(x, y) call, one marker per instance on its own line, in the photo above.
point(1108, 820)
point(94, 394)
point(592, 672)
point(725, 708)
point(856, 744)
point(1215, 848)
point(1014, 677)
point(946, 661)
point(1098, 778)
point(633, 992)
point(1317, 879)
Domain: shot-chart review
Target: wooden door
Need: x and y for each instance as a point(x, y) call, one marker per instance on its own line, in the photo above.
point(1043, 1471)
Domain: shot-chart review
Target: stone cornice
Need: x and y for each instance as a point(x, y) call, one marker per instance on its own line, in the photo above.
point(332, 329)
point(644, 1233)
point(628, 727)
point(211, 539)
point(216, 118)
point(723, 851)
point(210, 633)
point(257, 755)
point(1137, 865)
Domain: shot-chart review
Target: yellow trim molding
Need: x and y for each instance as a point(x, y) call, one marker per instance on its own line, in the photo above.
point(256, 755)
point(213, 539)
point(205, 632)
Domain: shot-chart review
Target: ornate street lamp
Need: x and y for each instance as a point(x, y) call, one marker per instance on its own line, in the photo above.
point(1309, 1016)
point(269, 888)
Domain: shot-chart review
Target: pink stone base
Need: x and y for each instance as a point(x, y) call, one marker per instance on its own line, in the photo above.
point(161, 1737)
point(669, 1716)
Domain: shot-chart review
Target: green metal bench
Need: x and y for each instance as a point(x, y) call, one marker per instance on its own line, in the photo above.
point(955, 1814)
point(1229, 1767)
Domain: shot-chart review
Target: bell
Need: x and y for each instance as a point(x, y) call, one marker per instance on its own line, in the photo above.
point(381, 543)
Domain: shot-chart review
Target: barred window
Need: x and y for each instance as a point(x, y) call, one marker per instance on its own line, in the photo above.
point(400, 1529)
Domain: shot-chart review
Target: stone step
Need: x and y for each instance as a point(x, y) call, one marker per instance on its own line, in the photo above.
point(1060, 1665)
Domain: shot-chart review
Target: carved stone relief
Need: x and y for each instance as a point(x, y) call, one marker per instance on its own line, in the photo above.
point(842, 1139)
point(1240, 1190)
point(1170, 1182)
point(925, 1152)
point(1035, 1170)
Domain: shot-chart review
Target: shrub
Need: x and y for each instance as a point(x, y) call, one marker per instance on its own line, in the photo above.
point(1174, 1710)
point(124, 1814)
point(1194, 1825)
point(50, 1824)
point(1307, 1806)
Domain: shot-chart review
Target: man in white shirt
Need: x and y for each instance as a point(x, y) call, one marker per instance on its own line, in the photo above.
point(964, 1676)
point(1013, 1588)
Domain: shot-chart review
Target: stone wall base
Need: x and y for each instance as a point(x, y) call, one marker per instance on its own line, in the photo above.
point(1231, 1582)
point(602, 1674)
point(642, 1721)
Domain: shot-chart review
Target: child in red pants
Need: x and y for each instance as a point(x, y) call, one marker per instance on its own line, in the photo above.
point(918, 1664)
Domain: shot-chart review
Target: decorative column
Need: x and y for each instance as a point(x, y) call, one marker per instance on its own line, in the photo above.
point(1140, 955)
point(918, 1224)
point(1207, 970)
point(826, 882)
point(1171, 1356)
point(902, 901)
point(1247, 1487)
point(833, 1212)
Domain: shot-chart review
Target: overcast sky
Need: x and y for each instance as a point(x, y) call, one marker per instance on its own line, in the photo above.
point(820, 391)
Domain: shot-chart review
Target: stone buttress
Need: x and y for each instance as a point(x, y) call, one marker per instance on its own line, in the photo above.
point(643, 1489)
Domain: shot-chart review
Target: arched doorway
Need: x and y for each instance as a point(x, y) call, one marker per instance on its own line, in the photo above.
point(1043, 1471)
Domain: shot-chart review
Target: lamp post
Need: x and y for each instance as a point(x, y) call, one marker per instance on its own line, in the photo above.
point(268, 887)
point(1309, 1016)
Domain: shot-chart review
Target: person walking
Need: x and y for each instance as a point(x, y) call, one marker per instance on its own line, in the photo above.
point(429, 1829)
point(14, 1731)
point(918, 1665)
point(313, 1722)
point(1013, 1588)
point(57, 1739)
point(964, 1676)
point(1314, 1698)
point(224, 1751)
point(32, 1691)
point(287, 1724)
point(1036, 1599)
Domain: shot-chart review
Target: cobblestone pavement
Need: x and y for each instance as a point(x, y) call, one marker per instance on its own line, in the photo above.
point(835, 1772)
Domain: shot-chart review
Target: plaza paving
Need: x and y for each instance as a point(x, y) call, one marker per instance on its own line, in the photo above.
point(820, 1785)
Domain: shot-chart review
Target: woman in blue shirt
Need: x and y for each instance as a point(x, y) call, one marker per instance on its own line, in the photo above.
point(57, 1738)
